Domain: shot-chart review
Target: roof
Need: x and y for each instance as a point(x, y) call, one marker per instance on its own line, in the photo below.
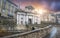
point(28, 12)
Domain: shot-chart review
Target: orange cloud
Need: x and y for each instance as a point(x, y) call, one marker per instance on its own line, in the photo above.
point(35, 4)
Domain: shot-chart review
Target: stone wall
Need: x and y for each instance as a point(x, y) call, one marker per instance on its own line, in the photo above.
point(38, 33)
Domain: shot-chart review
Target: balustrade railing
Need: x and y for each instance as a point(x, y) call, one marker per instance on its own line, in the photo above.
point(38, 33)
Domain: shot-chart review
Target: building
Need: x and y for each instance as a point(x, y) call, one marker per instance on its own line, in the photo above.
point(7, 8)
point(57, 14)
point(48, 17)
point(45, 16)
point(27, 17)
point(7, 12)
point(52, 17)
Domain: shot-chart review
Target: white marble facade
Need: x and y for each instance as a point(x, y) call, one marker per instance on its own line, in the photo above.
point(24, 18)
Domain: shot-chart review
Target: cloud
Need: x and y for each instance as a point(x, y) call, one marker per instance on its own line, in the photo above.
point(50, 4)
point(57, 6)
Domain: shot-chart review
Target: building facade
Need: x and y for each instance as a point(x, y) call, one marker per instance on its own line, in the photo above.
point(48, 17)
point(25, 17)
point(7, 8)
point(57, 17)
point(7, 13)
point(52, 18)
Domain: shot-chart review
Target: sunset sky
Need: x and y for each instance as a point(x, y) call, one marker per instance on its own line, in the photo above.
point(49, 4)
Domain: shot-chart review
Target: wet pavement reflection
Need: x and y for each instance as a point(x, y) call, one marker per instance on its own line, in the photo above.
point(52, 34)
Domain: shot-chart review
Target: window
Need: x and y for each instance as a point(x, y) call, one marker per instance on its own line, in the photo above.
point(3, 10)
point(4, 4)
point(52, 14)
point(9, 8)
point(15, 9)
point(52, 19)
point(58, 15)
point(0, 3)
point(12, 9)
point(21, 18)
point(22, 14)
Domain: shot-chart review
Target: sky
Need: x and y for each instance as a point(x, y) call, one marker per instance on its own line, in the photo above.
point(46, 4)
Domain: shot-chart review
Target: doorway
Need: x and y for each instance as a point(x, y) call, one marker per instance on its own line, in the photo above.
point(30, 21)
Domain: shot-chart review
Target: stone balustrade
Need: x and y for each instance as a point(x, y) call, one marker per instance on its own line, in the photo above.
point(38, 33)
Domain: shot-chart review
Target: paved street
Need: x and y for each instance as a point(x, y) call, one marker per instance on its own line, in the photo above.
point(55, 33)
point(58, 32)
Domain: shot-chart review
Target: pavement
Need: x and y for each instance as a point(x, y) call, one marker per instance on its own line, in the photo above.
point(58, 32)
point(55, 33)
